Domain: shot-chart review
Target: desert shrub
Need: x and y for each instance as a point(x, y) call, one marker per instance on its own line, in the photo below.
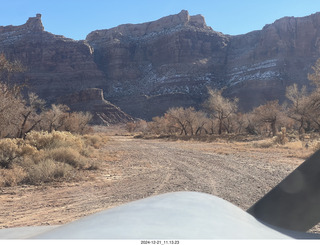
point(12, 177)
point(9, 150)
point(67, 155)
point(93, 166)
point(46, 171)
point(264, 143)
point(95, 141)
point(44, 157)
point(55, 139)
point(13, 149)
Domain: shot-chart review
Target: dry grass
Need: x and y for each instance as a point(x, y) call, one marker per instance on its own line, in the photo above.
point(225, 146)
point(12, 177)
point(47, 171)
point(45, 157)
point(67, 155)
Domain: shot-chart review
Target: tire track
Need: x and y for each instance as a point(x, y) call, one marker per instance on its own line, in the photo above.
point(144, 168)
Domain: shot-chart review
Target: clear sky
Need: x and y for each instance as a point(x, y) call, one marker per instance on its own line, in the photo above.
point(77, 18)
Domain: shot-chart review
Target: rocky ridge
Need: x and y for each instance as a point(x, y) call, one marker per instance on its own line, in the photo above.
point(59, 66)
point(178, 55)
point(55, 65)
point(147, 68)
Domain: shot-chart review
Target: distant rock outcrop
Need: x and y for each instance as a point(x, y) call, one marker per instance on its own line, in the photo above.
point(55, 65)
point(175, 55)
point(147, 68)
point(91, 100)
point(180, 54)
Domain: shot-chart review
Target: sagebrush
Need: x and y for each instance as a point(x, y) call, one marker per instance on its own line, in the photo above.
point(44, 157)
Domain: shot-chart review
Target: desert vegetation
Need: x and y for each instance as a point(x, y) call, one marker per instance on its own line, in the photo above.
point(39, 143)
point(297, 119)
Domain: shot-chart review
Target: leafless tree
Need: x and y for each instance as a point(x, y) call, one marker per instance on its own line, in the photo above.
point(54, 118)
point(220, 108)
point(270, 113)
point(188, 121)
point(11, 105)
point(315, 76)
point(30, 114)
point(299, 110)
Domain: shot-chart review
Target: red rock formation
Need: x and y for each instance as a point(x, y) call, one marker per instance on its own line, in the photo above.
point(55, 65)
point(147, 68)
point(180, 54)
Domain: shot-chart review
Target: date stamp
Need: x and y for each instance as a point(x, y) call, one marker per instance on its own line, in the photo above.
point(160, 242)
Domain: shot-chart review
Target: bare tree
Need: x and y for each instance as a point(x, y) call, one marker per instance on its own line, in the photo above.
point(11, 105)
point(54, 118)
point(300, 107)
point(181, 119)
point(161, 125)
point(220, 108)
point(9, 68)
point(77, 122)
point(11, 101)
point(59, 118)
point(270, 113)
point(30, 113)
point(186, 121)
point(315, 76)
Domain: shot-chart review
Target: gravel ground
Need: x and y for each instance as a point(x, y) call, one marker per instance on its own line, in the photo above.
point(143, 168)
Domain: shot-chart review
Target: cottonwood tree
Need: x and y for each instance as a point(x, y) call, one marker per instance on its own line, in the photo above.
point(30, 114)
point(240, 122)
point(270, 113)
point(11, 101)
point(54, 118)
point(315, 76)
point(220, 108)
point(314, 110)
point(300, 107)
point(187, 120)
point(11, 105)
point(161, 125)
point(60, 118)
point(77, 122)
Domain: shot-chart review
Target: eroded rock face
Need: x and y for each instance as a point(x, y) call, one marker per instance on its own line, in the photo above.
point(181, 54)
point(55, 65)
point(176, 54)
point(261, 64)
point(92, 100)
point(148, 68)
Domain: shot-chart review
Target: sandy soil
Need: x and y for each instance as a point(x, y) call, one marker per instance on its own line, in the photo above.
point(132, 169)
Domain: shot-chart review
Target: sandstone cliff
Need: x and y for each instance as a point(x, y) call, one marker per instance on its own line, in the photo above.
point(173, 56)
point(55, 65)
point(262, 63)
point(180, 55)
point(147, 68)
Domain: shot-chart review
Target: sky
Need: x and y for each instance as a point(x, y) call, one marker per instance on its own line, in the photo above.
point(77, 18)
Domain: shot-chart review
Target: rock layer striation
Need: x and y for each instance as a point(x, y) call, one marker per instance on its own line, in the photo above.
point(147, 68)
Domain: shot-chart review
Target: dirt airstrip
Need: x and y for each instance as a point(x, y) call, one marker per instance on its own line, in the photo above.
point(131, 169)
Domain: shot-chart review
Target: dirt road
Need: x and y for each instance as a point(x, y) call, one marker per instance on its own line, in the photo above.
point(142, 168)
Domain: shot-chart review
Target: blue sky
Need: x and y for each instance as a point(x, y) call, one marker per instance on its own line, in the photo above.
point(76, 18)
